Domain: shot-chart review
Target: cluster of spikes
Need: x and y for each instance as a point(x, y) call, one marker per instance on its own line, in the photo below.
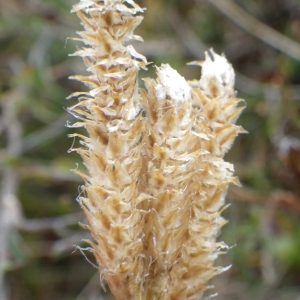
point(156, 180)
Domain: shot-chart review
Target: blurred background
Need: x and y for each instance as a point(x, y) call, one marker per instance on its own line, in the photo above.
point(39, 213)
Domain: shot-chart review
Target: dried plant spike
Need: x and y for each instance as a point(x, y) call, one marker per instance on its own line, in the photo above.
point(214, 94)
point(187, 179)
point(155, 185)
point(111, 113)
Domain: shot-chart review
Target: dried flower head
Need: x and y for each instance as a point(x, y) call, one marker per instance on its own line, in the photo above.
point(187, 177)
point(156, 184)
point(111, 114)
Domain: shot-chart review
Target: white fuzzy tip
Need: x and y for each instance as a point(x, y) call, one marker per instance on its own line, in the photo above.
point(171, 84)
point(216, 68)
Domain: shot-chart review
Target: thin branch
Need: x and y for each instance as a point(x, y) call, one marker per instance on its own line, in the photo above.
point(258, 29)
point(38, 171)
point(155, 47)
point(41, 46)
point(245, 195)
point(46, 224)
point(10, 210)
point(38, 137)
point(67, 244)
point(46, 133)
point(196, 47)
point(283, 199)
point(187, 36)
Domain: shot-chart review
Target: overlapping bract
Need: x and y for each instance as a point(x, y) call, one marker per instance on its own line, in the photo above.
point(156, 178)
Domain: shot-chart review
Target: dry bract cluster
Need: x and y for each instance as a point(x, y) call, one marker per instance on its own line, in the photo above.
point(156, 178)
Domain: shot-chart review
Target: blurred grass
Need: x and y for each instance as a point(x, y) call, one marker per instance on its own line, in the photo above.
point(263, 219)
